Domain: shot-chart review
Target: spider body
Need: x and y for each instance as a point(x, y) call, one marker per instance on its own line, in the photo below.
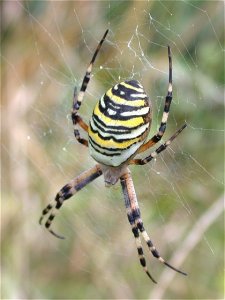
point(119, 126)
point(117, 131)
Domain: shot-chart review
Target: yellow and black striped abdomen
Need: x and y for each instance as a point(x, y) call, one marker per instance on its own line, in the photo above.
point(119, 124)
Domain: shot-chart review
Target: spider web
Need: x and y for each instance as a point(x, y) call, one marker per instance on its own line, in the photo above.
point(180, 193)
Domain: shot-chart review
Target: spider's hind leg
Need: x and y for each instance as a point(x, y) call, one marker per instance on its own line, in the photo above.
point(67, 192)
point(140, 250)
point(152, 248)
point(134, 227)
point(134, 217)
point(52, 208)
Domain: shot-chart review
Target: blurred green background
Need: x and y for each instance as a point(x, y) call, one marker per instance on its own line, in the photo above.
point(46, 47)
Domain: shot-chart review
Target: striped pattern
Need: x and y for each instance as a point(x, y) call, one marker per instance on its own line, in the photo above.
point(134, 218)
point(79, 98)
point(66, 192)
point(161, 148)
point(132, 213)
point(119, 124)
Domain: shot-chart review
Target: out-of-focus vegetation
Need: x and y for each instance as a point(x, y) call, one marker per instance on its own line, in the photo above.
point(46, 46)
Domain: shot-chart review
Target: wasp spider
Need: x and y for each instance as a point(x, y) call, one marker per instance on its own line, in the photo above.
point(117, 132)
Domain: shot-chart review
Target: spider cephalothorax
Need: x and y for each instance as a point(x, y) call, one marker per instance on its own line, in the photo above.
point(117, 132)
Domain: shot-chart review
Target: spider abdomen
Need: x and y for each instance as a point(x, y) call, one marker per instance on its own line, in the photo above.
point(119, 124)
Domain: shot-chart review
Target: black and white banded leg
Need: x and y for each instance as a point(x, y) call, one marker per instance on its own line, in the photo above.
point(67, 192)
point(161, 148)
point(162, 128)
point(134, 217)
point(78, 97)
point(134, 228)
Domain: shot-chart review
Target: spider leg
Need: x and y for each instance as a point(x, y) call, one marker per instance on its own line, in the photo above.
point(151, 247)
point(134, 228)
point(140, 250)
point(78, 97)
point(158, 150)
point(162, 128)
point(135, 216)
point(65, 193)
point(76, 119)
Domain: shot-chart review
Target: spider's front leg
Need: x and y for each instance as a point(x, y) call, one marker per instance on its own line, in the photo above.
point(134, 217)
point(168, 99)
point(78, 97)
point(76, 119)
point(65, 193)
